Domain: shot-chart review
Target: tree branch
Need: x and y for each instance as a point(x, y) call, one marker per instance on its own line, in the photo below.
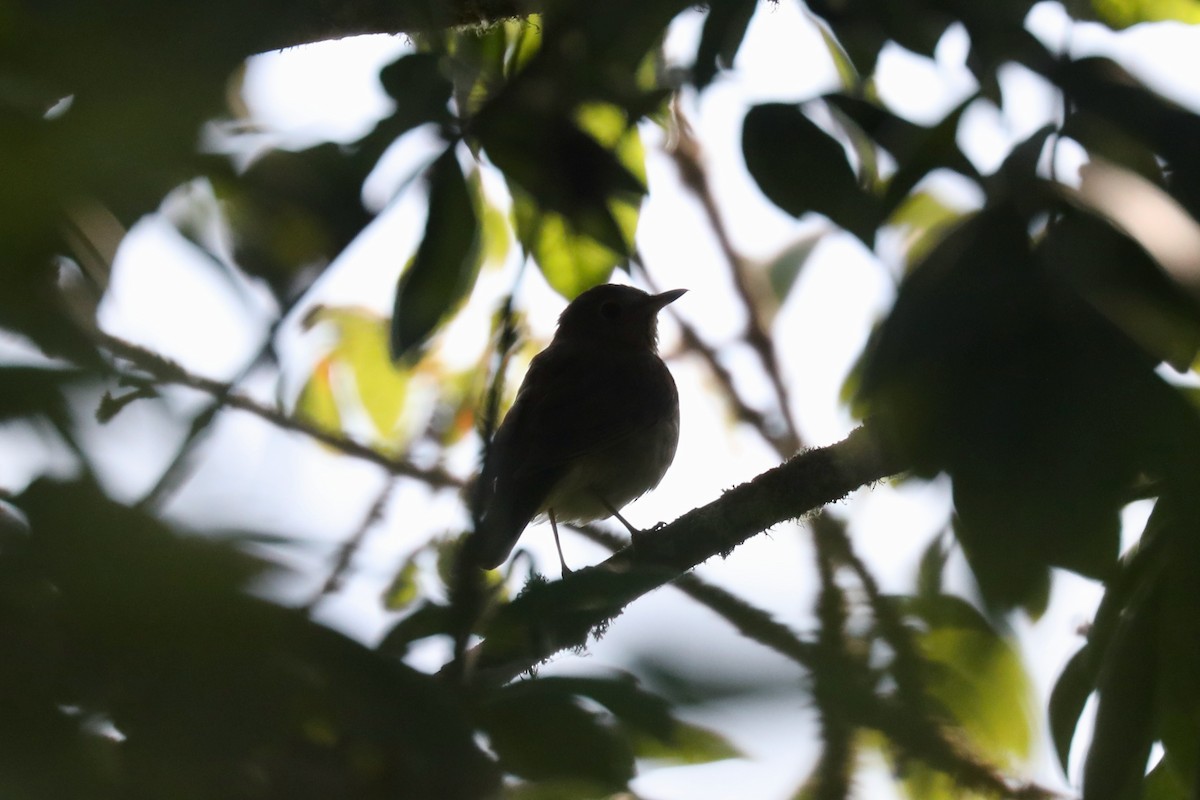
point(551, 617)
point(165, 370)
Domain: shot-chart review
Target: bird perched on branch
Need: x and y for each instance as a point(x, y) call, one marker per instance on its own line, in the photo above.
point(595, 424)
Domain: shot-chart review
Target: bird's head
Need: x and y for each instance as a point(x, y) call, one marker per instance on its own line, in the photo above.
point(615, 314)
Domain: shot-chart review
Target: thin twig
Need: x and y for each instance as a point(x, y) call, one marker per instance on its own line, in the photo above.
point(693, 342)
point(348, 548)
point(165, 370)
point(686, 153)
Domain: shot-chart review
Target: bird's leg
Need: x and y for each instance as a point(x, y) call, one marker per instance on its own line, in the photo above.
point(554, 527)
point(634, 533)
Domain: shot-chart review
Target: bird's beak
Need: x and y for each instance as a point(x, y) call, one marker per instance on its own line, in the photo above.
point(660, 301)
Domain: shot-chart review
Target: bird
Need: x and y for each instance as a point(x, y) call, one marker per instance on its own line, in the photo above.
point(595, 424)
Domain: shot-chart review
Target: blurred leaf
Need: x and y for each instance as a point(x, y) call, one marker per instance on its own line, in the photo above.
point(801, 168)
point(568, 172)
point(290, 211)
point(212, 692)
point(1074, 686)
point(571, 260)
point(421, 92)
point(932, 566)
point(982, 312)
point(847, 72)
point(356, 376)
point(1104, 88)
point(1165, 782)
point(447, 260)
point(722, 34)
point(976, 676)
point(924, 220)
point(403, 591)
point(32, 391)
point(525, 39)
point(918, 150)
point(317, 403)
point(541, 732)
point(784, 269)
point(1126, 285)
point(686, 744)
point(1127, 13)
point(1123, 734)
point(428, 619)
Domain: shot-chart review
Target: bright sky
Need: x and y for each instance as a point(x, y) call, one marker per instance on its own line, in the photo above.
point(285, 484)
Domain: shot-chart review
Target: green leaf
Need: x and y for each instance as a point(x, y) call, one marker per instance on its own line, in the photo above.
point(975, 676)
point(801, 168)
point(1071, 691)
point(1127, 13)
point(686, 744)
point(932, 565)
point(924, 220)
point(571, 259)
point(403, 590)
point(356, 375)
point(541, 732)
point(447, 260)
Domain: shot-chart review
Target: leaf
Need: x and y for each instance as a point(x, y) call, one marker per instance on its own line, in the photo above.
point(421, 91)
point(984, 312)
point(564, 170)
point(1074, 686)
point(722, 35)
point(403, 589)
point(540, 732)
point(429, 619)
point(1126, 285)
point(932, 565)
point(1123, 734)
point(356, 376)
point(801, 168)
point(447, 260)
point(572, 260)
point(686, 744)
point(317, 403)
point(923, 220)
point(1127, 14)
point(976, 676)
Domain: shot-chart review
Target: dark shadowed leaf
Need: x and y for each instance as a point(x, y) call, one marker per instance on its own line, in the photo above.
point(801, 168)
point(1074, 686)
point(421, 92)
point(541, 732)
point(722, 35)
point(1124, 729)
point(447, 260)
point(984, 312)
point(213, 691)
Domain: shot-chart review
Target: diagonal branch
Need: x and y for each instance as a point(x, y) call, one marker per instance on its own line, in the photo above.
point(165, 370)
point(548, 618)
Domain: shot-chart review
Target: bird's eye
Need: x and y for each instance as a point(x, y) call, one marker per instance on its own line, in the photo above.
point(610, 310)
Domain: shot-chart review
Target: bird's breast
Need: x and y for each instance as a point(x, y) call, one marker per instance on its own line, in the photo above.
point(611, 476)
